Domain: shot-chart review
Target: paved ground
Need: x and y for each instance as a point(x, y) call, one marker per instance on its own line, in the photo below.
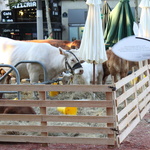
point(139, 139)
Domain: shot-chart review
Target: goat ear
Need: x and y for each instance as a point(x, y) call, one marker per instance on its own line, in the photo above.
point(82, 61)
point(62, 51)
point(63, 73)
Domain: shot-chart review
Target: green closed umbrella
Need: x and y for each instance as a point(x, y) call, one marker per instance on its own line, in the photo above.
point(120, 23)
point(105, 14)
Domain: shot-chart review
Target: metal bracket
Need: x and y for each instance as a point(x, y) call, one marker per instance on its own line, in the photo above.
point(114, 129)
point(113, 88)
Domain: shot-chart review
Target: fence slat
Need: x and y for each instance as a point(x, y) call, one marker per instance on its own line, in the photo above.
point(75, 88)
point(145, 110)
point(125, 133)
point(130, 77)
point(52, 139)
point(140, 71)
point(143, 94)
point(57, 118)
point(124, 96)
point(144, 102)
point(124, 81)
point(129, 107)
point(142, 83)
point(128, 119)
point(56, 129)
point(57, 103)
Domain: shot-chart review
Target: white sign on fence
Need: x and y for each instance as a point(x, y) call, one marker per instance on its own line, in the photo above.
point(132, 48)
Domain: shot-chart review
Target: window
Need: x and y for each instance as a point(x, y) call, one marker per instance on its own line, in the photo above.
point(25, 15)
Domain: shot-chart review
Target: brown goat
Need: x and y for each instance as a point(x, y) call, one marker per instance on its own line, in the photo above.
point(16, 110)
point(116, 66)
point(6, 80)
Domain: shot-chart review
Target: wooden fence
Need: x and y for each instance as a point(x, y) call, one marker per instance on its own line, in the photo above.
point(133, 104)
point(116, 114)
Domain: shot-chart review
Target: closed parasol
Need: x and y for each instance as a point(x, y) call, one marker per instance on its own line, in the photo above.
point(120, 23)
point(144, 25)
point(92, 48)
point(105, 14)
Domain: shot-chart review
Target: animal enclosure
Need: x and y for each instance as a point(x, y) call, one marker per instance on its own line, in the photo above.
point(108, 119)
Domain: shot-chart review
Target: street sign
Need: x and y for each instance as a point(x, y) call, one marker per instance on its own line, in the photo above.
point(7, 16)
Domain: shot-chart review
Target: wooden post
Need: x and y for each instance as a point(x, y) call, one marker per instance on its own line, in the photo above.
point(125, 101)
point(116, 116)
point(109, 112)
point(42, 96)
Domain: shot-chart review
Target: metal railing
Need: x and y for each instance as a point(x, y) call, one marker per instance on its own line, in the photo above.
point(13, 68)
point(17, 78)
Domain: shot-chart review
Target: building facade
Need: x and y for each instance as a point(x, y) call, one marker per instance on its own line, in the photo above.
point(19, 21)
point(76, 16)
point(67, 18)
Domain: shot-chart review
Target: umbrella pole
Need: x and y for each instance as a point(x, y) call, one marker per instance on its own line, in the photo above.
point(93, 72)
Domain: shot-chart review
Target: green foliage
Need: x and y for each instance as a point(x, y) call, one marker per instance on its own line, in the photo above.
point(14, 2)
